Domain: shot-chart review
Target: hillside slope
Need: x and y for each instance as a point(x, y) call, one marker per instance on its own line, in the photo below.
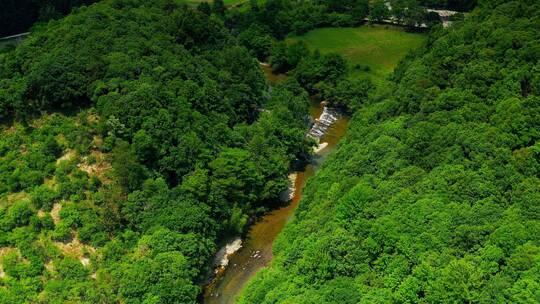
point(434, 195)
point(131, 143)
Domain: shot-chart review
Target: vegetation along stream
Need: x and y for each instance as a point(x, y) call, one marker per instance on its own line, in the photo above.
point(256, 251)
point(138, 137)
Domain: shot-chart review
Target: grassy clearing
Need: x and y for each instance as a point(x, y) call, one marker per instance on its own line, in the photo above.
point(379, 47)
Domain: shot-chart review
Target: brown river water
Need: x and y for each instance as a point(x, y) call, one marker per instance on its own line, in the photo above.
point(256, 251)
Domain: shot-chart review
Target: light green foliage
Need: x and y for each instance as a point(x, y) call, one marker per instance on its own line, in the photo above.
point(17, 267)
point(378, 47)
point(164, 278)
point(433, 196)
point(70, 269)
point(233, 169)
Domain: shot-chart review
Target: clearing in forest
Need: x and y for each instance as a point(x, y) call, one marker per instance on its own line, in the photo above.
point(379, 47)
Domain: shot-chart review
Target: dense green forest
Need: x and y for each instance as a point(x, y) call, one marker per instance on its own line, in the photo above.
point(261, 26)
point(18, 16)
point(138, 134)
point(434, 195)
point(133, 140)
point(262, 23)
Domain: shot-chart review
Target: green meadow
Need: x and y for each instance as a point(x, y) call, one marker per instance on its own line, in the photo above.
point(378, 47)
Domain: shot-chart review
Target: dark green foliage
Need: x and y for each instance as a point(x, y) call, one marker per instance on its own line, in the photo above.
point(18, 16)
point(314, 69)
point(408, 12)
point(433, 196)
point(153, 133)
point(218, 7)
point(284, 17)
point(130, 172)
point(379, 11)
point(285, 57)
point(258, 40)
point(348, 94)
point(310, 69)
point(156, 205)
point(458, 5)
point(205, 8)
point(432, 19)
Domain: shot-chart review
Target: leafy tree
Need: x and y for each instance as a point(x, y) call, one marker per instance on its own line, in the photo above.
point(140, 139)
point(164, 278)
point(205, 8)
point(129, 172)
point(70, 269)
point(256, 39)
point(360, 10)
point(349, 94)
point(19, 214)
point(218, 7)
point(379, 11)
point(235, 178)
point(317, 68)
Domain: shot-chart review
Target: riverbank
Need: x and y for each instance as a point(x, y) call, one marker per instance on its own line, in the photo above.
point(256, 250)
point(378, 48)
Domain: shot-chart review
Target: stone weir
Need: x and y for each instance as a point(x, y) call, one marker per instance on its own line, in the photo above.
point(324, 122)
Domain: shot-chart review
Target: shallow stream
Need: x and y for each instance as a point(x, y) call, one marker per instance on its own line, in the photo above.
point(256, 250)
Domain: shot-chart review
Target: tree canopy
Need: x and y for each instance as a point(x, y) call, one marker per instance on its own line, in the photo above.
point(135, 136)
point(433, 195)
